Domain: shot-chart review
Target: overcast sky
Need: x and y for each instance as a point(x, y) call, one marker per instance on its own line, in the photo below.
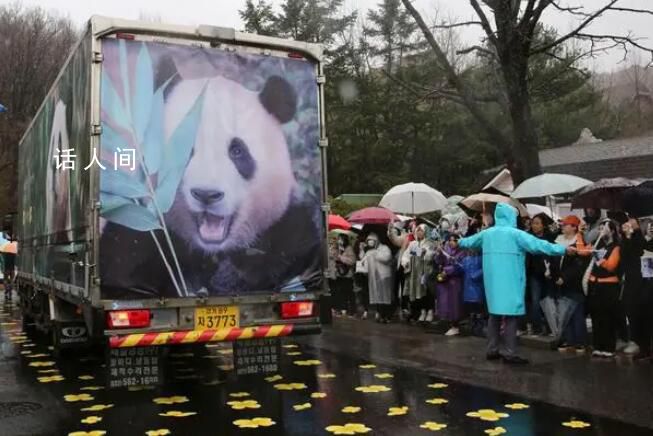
point(225, 13)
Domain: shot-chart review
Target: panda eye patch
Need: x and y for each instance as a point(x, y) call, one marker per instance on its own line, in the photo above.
point(242, 158)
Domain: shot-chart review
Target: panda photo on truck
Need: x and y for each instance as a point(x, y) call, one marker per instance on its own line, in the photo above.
point(237, 223)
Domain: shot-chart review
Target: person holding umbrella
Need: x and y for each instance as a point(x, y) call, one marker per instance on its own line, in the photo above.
point(504, 269)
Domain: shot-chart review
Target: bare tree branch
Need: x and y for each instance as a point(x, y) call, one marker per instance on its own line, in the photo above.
point(466, 94)
point(476, 48)
point(454, 25)
point(622, 41)
point(573, 33)
point(636, 11)
point(485, 23)
point(574, 10)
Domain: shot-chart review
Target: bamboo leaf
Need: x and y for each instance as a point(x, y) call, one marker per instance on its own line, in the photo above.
point(134, 216)
point(143, 95)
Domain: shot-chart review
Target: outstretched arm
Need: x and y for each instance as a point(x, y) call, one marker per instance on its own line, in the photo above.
point(533, 245)
point(473, 242)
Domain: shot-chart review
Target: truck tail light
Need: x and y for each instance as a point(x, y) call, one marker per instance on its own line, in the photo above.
point(295, 55)
point(296, 309)
point(127, 36)
point(120, 319)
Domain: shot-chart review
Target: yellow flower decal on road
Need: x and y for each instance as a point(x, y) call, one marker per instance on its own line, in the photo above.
point(171, 400)
point(397, 411)
point(41, 364)
point(29, 345)
point(73, 398)
point(290, 386)
point(290, 346)
point(351, 409)
point(26, 352)
point(383, 375)
point(88, 433)
point(34, 356)
point(51, 379)
point(328, 375)
point(574, 423)
point(307, 362)
point(86, 377)
point(177, 414)
point(348, 429)
point(317, 395)
point(91, 388)
point(367, 366)
point(294, 353)
point(299, 407)
point(48, 371)
point(92, 420)
point(254, 423)
point(372, 389)
point(433, 426)
point(97, 408)
point(273, 378)
point(159, 432)
point(438, 385)
point(487, 415)
point(517, 406)
point(496, 431)
point(242, 405)
point(239, 394)
point(226, 352)
point(437, 401)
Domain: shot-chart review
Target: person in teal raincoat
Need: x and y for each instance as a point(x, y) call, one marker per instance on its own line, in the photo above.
point(504, 276)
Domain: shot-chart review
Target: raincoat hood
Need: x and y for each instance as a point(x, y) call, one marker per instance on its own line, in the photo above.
point(505, 216)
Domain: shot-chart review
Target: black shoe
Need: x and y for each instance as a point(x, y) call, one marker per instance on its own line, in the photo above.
point(515, 360)
point(493, 356)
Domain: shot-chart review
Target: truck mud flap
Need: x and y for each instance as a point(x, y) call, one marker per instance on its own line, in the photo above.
point(70, 334)
point(135, 366)
point(257, 356)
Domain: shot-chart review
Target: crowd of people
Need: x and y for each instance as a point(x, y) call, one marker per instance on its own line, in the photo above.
point(501, 276)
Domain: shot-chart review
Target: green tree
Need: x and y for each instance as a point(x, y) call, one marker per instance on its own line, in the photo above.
point(258, 17)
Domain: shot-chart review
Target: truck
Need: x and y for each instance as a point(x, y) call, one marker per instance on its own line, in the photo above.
point(173, 190)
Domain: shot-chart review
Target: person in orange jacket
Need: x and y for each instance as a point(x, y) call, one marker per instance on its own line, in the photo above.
point(604, 288)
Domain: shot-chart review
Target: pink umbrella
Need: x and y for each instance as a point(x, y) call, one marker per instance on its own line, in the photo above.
point(338, 222)
point(373, 215)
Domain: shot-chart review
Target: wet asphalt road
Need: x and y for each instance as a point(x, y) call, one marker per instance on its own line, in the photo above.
point(323, 395)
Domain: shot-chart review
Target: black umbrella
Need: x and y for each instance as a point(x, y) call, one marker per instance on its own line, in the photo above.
point(604, 194)
point(638, 201)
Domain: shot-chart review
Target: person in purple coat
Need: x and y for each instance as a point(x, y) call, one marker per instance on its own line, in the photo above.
point(449, 287)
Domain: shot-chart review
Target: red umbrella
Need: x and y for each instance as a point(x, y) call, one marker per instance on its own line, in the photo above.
point(338, 222)
point(373, 215)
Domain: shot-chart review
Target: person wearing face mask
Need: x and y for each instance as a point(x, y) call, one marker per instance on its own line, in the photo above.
point(415, 260)
point(567, 274)
point(380, 270)
point(539, 275)
point(590, 225)
point(604, 287)
point(448, 265)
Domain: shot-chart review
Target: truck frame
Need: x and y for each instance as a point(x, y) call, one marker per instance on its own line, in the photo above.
point(66, 298)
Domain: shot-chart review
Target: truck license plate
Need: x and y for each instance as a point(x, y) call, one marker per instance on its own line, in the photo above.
point(216, 317)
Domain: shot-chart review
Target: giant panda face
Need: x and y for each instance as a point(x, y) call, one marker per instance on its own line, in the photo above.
point(239, 179)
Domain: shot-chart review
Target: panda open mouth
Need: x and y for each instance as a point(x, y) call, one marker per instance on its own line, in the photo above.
point(214, 228)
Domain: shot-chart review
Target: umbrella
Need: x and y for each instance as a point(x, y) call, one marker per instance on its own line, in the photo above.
point(549, 184)
point(9, 247)
point(373, 215)
point(348, 233)
point(638, 201)
point(479, 202)
point(604, 194)
point(2, 108)
point(338, 222)
point(536, 209)
point(414, 199)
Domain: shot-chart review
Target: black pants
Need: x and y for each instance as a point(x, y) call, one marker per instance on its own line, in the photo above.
point(604, 309)
point(363, 295)
point(385, 311)
point(639, 306)
point(345, 294)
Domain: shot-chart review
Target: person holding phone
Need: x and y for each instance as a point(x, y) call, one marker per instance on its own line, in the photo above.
point(604, 288)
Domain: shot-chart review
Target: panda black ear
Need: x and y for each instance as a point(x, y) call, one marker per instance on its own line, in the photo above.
point(278, 97)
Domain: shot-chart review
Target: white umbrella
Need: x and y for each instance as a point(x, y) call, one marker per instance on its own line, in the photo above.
point(536, 209)
point(549, 184)
point(413, 199)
